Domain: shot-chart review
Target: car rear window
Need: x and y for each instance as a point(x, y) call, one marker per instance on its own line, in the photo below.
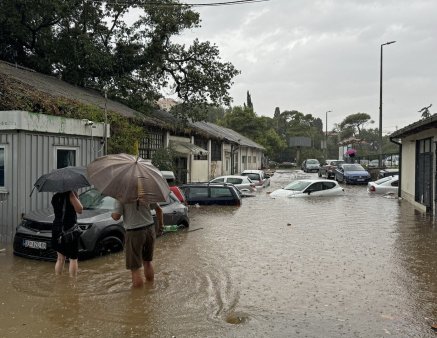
point(220, 192)
point(195, 192)
point(328, 185)
point(252, 176)
point(383, 180)
point(234, 180)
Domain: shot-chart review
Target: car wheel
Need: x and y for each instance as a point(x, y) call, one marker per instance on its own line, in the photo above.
point(108, 244)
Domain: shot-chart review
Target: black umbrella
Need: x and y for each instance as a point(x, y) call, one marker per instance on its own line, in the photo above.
point(62, 180)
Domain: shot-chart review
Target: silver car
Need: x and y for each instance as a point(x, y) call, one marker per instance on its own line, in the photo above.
point(242, 183)
point(101, 234)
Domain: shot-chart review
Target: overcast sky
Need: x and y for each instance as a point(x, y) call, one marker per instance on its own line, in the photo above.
point(315, 56)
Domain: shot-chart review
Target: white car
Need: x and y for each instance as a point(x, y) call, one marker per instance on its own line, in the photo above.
point(313, 188)
point(384, 185)
point(257, 177)
point(242, 183)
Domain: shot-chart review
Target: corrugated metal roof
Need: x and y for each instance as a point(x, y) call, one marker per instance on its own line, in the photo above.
point(226, 134)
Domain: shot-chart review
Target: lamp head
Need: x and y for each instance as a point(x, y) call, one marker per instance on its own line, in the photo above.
point(388, 43)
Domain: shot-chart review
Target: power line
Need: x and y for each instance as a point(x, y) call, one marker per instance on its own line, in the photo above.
point(160, 4)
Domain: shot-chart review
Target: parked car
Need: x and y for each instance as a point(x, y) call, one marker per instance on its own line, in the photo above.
point(328, 169)
point(171, 180)
point(391, 161)
point(388, 172)
point(305, 188)
point(384, 185)
point(352, 174)
point(101, 234)
point(257, 177)
point(373, 164)
point(242, 183)
point(211, 193)
point(310, 165)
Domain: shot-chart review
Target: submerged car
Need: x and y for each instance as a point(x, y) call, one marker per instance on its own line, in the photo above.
point(352, 174)
point(305, 188)
point(384, 185)
point(242, 183)
point(328, 169)
point(212, 193)
point(310, 165)
point(258, 177)
point(101, 234)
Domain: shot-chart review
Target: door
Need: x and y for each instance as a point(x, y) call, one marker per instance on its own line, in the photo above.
point(424, 167)
point(181, 170)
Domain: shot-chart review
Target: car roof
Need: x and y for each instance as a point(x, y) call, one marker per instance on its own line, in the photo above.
point(315, 180)
point(235, 176)
point(252, 171)
point(207, 184)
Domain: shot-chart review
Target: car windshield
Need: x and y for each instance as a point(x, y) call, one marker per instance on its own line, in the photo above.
point(337, 163)
point(297, 185)
point(92, 200)
point(353, 167)
point(312, 162)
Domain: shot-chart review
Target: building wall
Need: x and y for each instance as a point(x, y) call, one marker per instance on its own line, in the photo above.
point(199, 171)
point(408, 174)
point(28, 156)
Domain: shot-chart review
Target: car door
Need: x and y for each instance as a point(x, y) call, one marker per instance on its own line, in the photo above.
point(238, 182)
point(314, 189)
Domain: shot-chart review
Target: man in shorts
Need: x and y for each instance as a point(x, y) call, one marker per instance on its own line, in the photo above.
point(140, 237)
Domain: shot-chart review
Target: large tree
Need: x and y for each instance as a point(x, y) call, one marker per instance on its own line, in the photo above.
point(355, 122)
point(88, 43)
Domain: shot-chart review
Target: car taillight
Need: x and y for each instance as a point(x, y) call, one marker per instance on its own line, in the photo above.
point(372, 188)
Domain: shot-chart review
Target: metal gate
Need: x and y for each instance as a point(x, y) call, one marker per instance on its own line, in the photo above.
point(424, 169)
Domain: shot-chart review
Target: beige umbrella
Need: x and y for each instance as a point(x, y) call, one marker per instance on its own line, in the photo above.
point(128, 179)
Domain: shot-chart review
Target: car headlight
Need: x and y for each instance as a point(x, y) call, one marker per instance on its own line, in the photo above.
point(85, 226)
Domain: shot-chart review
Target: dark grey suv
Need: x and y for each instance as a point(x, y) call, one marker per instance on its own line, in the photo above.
point(211, 193)
point(101, 234)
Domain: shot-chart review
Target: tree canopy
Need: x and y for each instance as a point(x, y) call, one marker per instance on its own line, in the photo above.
point(89, 44)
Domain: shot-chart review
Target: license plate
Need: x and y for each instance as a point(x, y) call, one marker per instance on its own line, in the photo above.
point(34, 244)
point(360, 179)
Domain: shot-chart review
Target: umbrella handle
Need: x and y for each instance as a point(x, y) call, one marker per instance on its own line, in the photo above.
point(32, 191)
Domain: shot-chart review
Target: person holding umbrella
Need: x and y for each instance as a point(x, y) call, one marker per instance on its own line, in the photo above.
point(137, 186)
point(140, 237)
point(66, 206)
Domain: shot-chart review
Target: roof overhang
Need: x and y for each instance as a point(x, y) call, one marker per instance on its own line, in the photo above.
point(416, 127)
point(187, 148)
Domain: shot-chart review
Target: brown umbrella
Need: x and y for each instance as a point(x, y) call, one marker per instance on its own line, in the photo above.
point(128, 179)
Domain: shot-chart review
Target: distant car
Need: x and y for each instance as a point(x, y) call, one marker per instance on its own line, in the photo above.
point(310, 165)
point(101, 234)
point(391, 161)
point(257, 177)
point(328, 169)
point(352, 174)
point(305, 188)
point(243, 183)
point(373, 164)
point(384, 185)
point(171, 180)
point(388, 172)
point(211, 193)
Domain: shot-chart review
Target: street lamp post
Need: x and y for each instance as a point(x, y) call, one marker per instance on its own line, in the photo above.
point(326, 135)
point(380, 104)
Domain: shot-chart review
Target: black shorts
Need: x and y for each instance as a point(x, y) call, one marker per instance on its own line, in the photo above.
point(69, 250)
point(139, 246)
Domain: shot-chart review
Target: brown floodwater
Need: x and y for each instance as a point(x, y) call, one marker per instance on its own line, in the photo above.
point(351, 266)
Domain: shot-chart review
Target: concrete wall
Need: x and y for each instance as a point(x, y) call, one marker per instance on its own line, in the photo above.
point(199, 171)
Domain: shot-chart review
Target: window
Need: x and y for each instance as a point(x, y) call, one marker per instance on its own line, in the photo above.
point(243, 159)
point(249, 159)
point(315, 187)
point(2, 166)
point(219, 180)
point(196, 192)
point(395, 184)
point(234, 180)
point(220, 192)
point(216, 151)
point(328, 185)
point(227, 164)
point(254, 159)
point(65, 157)
point(149, 144)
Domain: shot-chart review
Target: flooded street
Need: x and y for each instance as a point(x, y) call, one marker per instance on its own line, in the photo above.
point(352, 266)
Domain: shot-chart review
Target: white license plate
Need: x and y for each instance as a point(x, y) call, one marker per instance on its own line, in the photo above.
point(360, 179)
point(34, 244)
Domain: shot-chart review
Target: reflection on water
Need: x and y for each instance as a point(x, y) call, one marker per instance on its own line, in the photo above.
point(353, 265)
